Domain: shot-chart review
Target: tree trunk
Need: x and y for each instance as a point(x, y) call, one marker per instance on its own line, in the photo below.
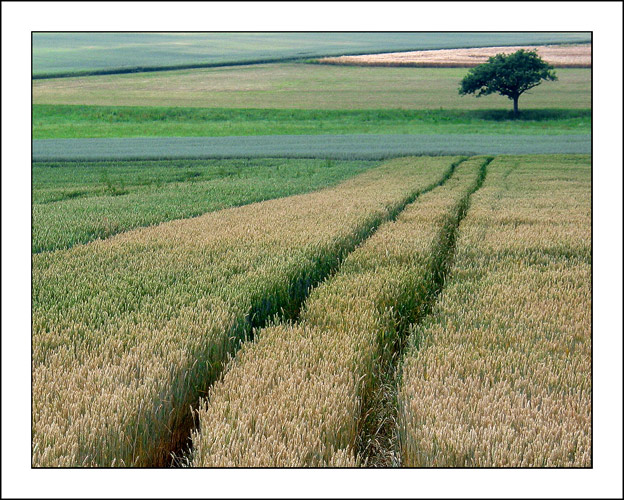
point(515, 100)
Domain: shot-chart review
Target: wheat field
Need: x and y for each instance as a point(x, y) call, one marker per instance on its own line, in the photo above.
point(128, 332)
point(500, 374)
point(296, 396)
point(560, 56)
point(480, 268)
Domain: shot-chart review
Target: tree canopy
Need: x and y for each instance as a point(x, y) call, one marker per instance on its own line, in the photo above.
point(508, 74)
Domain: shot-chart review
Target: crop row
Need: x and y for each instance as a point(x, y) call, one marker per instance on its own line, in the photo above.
point(500, 374)
point(76, 202)
point(346, 147)
point(296, 397)
point(130, 331)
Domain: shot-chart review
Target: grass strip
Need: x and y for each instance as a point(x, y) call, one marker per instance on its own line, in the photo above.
point(295, 397)
point(75, 121)
point(129, 332)
point(500, 374)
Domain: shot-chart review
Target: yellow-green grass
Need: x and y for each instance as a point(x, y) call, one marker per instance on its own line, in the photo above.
point(500, 374)
point(303, 86)
point(297, 396)
point(129, 332)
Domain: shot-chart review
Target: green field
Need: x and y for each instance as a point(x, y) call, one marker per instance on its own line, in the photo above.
point(298, 99)
point(78, 202)
point(75, 121)
point(305, 86)
point(66, 53)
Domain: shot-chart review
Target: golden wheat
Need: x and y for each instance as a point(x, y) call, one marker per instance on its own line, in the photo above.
point(561, 56)
point(129, 331)
point(500, 374)
point(294, 397)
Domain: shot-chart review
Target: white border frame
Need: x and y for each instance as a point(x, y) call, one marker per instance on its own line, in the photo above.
point(603, 18)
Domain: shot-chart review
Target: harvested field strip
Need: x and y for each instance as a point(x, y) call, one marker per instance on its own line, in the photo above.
point(561, 56)
point(129, 332)
point(500, 374)
point(294, 397)
point(100, 199)
point(347, 147)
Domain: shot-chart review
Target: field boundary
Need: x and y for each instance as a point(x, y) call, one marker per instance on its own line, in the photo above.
point(151, 69)
point(130, 195)
point(425, 65)
point(71, 121)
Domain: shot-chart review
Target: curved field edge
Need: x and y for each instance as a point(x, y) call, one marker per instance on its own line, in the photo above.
point(154, 52)
point(297, 397)
point(362, 146)
point(500, 374)
point(129, 332)
point(151, 69)
point(52, 121)
point(78, 202)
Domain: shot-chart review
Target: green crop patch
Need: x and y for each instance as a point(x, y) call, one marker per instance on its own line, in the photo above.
point(78, 202)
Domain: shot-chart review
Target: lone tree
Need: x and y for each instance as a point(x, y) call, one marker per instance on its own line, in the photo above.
point(509, 75)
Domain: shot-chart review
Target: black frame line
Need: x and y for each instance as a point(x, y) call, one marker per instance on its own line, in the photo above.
point(353, 468)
